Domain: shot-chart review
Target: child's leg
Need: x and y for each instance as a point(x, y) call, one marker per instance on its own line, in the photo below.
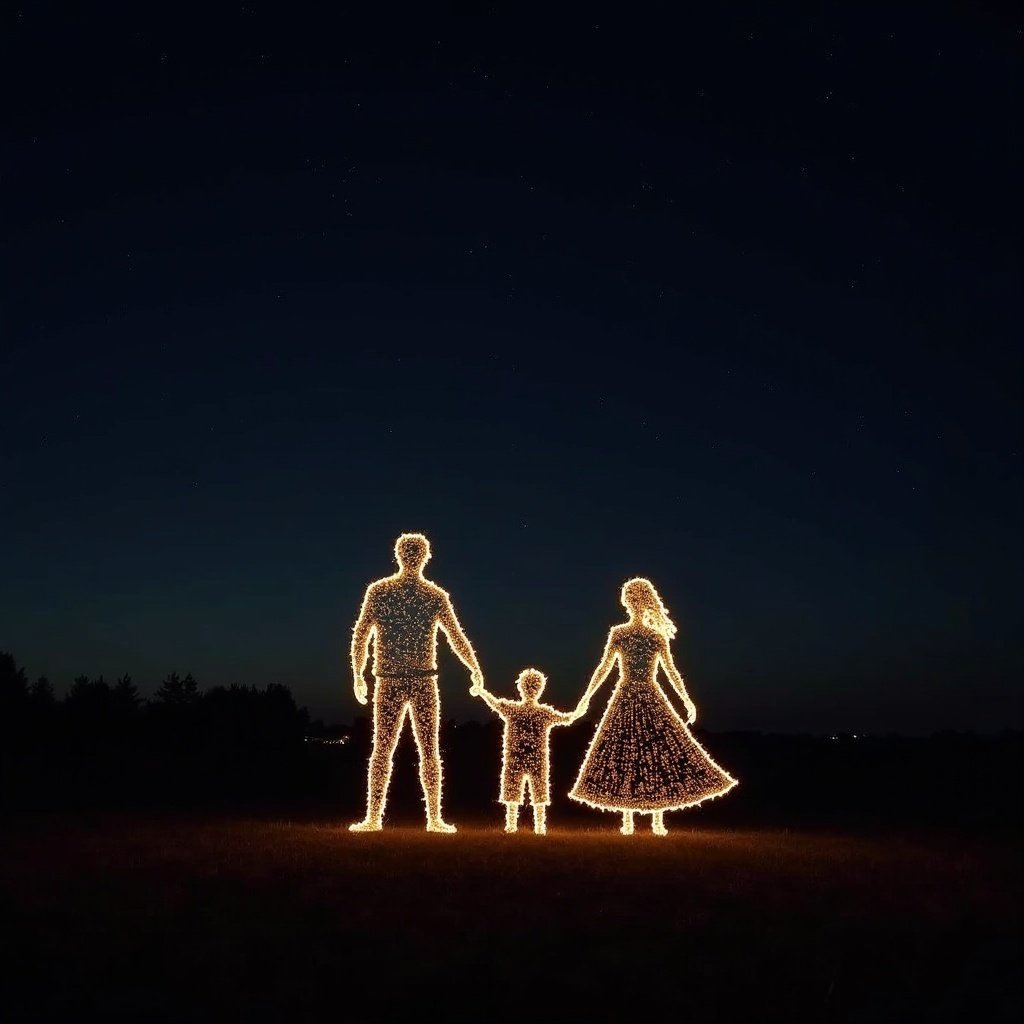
point(627, 823)
point(539, 808)
point(540, 825)
point(511, 816)
point(658, 823)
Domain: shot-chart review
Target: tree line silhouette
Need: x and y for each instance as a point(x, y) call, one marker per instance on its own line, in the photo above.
point(104, 746)
point(103, 743)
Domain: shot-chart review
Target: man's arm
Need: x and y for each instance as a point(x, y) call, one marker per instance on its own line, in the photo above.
point(449, 623)
point(362, 632)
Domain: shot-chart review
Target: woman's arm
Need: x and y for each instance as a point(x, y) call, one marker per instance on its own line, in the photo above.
point(599, 676)
point(668, 663)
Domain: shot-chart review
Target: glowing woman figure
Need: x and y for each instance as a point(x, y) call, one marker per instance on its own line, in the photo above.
point(524, 757)
point(642, 756)
point(402, 615)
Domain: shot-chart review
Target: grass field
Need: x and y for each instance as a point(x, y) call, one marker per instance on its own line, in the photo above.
point(180, 918)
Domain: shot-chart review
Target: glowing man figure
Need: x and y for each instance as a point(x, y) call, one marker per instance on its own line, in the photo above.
point(402, 614)
point(524, 758)
point(642, 756)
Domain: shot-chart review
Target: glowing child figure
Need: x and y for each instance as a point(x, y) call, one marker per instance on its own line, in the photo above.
point(525, 759)
point(642, 756)
point(402, 615)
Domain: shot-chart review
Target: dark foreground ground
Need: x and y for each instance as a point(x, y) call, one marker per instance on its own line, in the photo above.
point(185, 918)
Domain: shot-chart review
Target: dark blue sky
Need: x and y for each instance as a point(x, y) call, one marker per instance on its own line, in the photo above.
point(731, 301)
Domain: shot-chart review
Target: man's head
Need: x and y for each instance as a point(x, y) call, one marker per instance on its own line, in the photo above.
point(530, 683)
point(412, 551)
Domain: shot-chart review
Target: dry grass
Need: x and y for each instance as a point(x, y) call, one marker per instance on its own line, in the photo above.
point(185, 919)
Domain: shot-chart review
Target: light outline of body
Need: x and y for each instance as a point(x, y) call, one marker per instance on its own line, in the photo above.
point(405, 670)
point(517, 778)
point(647, 616)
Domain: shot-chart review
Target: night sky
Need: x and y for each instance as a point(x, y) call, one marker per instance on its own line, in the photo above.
point(731, 300)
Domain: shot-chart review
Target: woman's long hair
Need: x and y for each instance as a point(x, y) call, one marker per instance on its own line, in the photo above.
point(641, 596)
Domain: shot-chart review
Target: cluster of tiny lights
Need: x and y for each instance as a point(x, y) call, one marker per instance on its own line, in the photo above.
point(525, 758)
point(401, 616)
point(642, 756)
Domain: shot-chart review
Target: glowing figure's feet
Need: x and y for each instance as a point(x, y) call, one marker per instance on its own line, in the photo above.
point(365, 826)
point(440, 826)
point(627, 830)
point(511, 828)
point(659, 830)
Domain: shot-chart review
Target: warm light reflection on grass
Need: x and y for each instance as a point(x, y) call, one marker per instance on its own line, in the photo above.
point(250, 916)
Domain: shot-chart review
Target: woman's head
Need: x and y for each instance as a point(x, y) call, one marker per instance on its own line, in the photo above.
point(644, 604)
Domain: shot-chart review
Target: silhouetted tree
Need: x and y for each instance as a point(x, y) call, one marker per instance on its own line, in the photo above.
point(42, 714)
point(176, 691)
point(253, 740)
point(91, 698)
point(15, 727)
point(126, 695)
point(13, 685)
point(41, 694)
point(79, 689)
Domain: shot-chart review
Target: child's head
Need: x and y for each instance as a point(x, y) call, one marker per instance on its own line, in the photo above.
point(530, 683)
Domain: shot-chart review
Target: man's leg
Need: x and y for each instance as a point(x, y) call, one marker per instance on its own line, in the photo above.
point(511, 816)
point(388, 715)
point(426, 723)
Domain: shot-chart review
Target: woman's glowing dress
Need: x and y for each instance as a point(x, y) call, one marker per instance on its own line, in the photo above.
point(642, 756)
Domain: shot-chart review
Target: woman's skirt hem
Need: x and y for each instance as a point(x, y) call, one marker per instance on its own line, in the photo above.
point(652, 805)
